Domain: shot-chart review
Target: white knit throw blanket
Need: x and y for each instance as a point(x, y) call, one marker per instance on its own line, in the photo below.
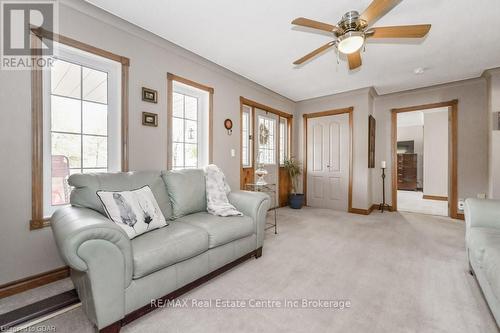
point(217, 191)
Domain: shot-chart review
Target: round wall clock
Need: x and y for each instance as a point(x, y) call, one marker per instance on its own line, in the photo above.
point(228, 124)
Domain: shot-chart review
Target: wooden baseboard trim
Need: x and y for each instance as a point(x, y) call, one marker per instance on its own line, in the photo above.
point(360, 211)
point(435, 197)
point(34, 281)
point(367, 211)
point(37, 310)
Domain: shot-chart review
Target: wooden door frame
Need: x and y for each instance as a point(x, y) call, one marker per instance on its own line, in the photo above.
point(280, 114)
point(452, 152)
point(335, 112)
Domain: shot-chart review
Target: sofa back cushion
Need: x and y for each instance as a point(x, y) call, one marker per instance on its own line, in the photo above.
point(186, 189)
point(85, 189)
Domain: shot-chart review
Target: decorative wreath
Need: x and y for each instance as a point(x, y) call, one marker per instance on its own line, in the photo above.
point(263, 134)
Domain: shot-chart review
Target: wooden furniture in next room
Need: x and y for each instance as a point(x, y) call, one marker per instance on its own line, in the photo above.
point(407, 172)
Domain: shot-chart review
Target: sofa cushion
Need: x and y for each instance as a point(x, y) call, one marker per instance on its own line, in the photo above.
point(86, 186)
point(479, 240)
point(186, 189)
point(136, 212)
point(167, 246)
point(221, 230)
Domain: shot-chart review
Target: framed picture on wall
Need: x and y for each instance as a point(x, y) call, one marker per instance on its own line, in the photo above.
point(371, 142)
point(149, 95)
point(150, 119)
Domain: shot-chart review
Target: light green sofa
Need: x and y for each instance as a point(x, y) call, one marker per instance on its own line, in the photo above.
point(482, 237)
point(117, 278)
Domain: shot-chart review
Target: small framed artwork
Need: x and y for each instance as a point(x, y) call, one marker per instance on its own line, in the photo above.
point(149, 95)
point(150, 119)
point(371, 142)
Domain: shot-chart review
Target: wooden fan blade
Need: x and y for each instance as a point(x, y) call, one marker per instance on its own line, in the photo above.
point(314, 24)
point(314, 53)
point(403, 31)
point(377, 9)
point(354, 60)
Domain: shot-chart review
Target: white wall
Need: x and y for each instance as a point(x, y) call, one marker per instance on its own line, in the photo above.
point(415, 134)
point(493, 79)
point(362, 101)
point(30, 252)
point(472, 131)
point(436, 153)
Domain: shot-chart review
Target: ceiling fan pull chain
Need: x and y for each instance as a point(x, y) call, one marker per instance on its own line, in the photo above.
point(338, 58)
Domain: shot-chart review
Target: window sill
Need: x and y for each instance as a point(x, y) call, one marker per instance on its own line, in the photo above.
point(39, 224)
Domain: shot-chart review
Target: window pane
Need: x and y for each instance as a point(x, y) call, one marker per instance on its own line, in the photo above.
point(191, 155)
point(65, 79)
point(95, 85)
point(244, 155)
point(191, 131)
point(59, 186)
point(95, 151)
point(95, 118)
point(266, 141)
point(177, 130)
point(178, 155)
point(67, 145)
point(65, 114)
point(178, 106)
point(191, 108)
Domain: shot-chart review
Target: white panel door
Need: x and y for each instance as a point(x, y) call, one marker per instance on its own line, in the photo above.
point(328, 162)
point(266, 146)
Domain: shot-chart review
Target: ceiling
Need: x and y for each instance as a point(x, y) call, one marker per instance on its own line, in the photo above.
point(255, 39)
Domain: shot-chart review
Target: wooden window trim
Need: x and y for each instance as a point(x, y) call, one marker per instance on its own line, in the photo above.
point(38, 221)
point(249, 102)
point(452, 151)
point(170, 105)
point(307, 116)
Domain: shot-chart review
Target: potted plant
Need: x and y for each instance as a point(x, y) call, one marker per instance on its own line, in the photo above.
point(295, 200)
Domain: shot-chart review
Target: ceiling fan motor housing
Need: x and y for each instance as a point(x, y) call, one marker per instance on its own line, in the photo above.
point(351, 22)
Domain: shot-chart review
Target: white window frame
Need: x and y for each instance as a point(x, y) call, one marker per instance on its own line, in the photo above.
point(273, 146)
point(114, 135)
point(248, 136)
point(203, 98)
point(283, 143)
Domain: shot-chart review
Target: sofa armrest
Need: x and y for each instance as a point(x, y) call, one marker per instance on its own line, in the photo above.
point(100, 254)
point(73, 226)
point(482, 213)
point(254, 205)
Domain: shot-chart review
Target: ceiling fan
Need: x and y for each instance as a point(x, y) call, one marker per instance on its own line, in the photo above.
point(353, 29)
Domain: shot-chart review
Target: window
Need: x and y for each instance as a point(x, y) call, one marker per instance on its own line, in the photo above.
point(246, 137)
point(81, 121)
point(283, 140)
point(190, 124)
point(267, 145)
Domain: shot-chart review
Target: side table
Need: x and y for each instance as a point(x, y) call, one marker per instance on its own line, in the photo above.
point(269, 189)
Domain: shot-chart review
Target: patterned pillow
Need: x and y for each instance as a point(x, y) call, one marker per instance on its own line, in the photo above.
point(136, 212)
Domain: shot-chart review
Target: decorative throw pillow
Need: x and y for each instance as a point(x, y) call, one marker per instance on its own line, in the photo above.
point(136, 211)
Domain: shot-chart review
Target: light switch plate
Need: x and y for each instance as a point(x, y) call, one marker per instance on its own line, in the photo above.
point(233, 153)
point(481, 195)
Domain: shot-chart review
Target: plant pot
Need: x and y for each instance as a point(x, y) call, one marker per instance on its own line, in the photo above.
point(296, 201)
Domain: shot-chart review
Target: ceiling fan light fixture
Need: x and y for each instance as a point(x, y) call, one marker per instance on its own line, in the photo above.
point(351, 42)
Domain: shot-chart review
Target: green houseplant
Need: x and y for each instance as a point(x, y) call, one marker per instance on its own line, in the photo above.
point(295, 200)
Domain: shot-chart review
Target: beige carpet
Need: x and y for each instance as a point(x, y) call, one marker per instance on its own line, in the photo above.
point(414, 202)
point(401, 273)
